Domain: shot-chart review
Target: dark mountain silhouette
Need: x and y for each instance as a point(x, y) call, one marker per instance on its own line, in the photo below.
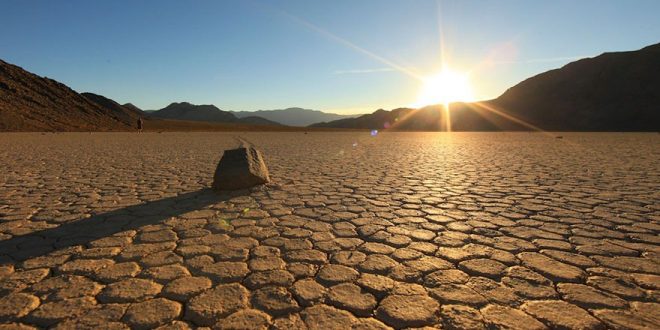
point(133, 107)
point(377, 120)
point(127, 113)
point(187, 111)
point(293, 116)
point(207, 112)
point(611, 92)
point(464, 117)
point(32, 103)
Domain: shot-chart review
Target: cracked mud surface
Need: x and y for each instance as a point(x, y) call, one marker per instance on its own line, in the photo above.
point(468, 230)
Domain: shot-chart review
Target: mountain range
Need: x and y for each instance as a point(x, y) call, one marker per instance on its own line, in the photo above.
point(294, 116)
point(206, 112)
point(32, 103)
point(617, 91)
point(289, 117)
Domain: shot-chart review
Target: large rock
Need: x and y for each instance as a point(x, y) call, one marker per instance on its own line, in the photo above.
point(240, 168)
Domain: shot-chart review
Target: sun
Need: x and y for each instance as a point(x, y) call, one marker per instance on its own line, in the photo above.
point(445, 87)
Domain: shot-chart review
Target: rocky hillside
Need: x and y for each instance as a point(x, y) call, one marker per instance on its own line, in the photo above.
point(126, 113)
point(611, 92)
point(614, 91)
point(32, 103)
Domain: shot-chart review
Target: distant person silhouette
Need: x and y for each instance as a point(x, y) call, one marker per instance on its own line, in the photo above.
point(139, 124)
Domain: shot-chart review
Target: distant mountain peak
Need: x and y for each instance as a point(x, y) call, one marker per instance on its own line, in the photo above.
point(132, 106)
point(189, 104)
point(205, 112)
point(189, 111)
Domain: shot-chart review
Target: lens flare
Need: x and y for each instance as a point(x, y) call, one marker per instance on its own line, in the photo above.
point(445, 87)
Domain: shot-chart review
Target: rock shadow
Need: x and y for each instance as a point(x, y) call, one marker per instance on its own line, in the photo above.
point(84, 231)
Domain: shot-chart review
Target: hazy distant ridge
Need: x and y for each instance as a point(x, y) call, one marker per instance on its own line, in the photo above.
point(294, 116)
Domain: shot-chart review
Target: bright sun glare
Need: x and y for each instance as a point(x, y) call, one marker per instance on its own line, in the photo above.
point(445, 87)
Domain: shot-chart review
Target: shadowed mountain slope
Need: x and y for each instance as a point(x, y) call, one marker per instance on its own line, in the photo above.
point(127, 113)
point(611, 92)
point(614, 91)
point(464, 117)
point(187, 111)
point(293, 116)
point(32, 103)
point(133, 107)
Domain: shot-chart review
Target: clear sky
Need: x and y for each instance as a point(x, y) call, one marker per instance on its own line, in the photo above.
point(345, 56)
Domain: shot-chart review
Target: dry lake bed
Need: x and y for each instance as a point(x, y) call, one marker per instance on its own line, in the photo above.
point(460, 230)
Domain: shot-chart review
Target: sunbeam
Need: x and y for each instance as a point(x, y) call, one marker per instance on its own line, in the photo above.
point(347, 43)
point(492, 109)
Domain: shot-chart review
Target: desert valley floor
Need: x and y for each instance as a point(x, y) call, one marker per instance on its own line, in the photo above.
point(460, 230)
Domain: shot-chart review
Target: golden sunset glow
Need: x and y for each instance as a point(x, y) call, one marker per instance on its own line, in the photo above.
point(445, 87)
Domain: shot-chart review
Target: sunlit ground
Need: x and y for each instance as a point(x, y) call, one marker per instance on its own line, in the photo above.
point(393, 229)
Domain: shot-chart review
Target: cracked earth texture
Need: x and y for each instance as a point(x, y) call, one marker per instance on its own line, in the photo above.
point(398, 230)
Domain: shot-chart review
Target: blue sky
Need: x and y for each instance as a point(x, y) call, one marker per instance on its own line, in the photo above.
point(334, 56)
